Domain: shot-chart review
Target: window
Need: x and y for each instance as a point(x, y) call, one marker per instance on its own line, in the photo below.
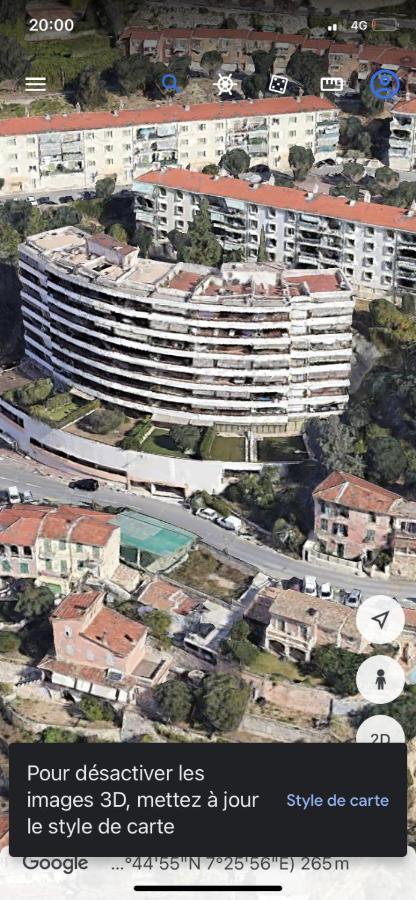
point(95, 552)
point(372, 517)
point(108, 148)
point(109, 162)
point(78, 548)
point(31, 140)
point(68, 631)
point(108, 134)
point(90, 151)
point(27, 551)
point(24, 568)
point(202, 127)
point(11, 142)
point(324, 525)
point(47, 546)
point(80, 564)
point(126, 146)
point(303, 631)
point(48, 565)
point(370, 536)
point(62, 545)
point(14, 550)
point(64, 567)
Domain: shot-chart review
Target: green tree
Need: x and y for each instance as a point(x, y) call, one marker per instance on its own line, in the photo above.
point(59, 736)
point(242, 650)
point(256, 21)
point(9, 244)
point(118, 232)
point(35, 601)
point(262, 256)
point(90, 89)
point(403, 710)
point(132, 73)
point(301, 159)
point(332, 443)
point(143, 239)
point(14, 60)
point(337, 667)
point(175, 700)
point(386, 460)
point(257, 489)
point(104, 187)
point(240, 630)
point(158, 621)
point(95, 710)
point(186, 437)
point(210, 169)
point(236, 162)
point(211, 62)
point(102, 421)
point(370, 102)
point(287, 536)
point(201, 245)
point(354, 135)
point(307, 68)
point(387, 178)
point(230, 23)
point(9, 642)
point(222, 701)
point(353, 170)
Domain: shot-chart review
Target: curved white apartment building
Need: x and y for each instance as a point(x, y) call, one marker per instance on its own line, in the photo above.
point(248, 346)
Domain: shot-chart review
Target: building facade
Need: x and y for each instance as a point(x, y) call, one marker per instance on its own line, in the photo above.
point(374, 245)
point(248, 345)
point(355, 519)
point(58, 546)
point(71, 151)
point(402, 141)
point(99, 651)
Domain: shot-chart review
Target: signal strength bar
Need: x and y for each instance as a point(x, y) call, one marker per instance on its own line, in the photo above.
point(333, 27)
point(35, 84)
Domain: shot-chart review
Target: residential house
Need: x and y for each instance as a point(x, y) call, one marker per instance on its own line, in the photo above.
point(57, 545)
point(165, 597)
point(99, 651)
point(292, 624)
point(402, 141)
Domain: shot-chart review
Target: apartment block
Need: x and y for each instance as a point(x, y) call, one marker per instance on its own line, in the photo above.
point(71, 151)
point(402, 142)
point(374, 245)
point(99, 651)
point(354, 519)
point(247, 345)
point(58, 546)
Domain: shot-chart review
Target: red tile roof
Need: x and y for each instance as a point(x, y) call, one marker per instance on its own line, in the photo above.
point(162, 595)
point(391, 217)
point(113, 631)
point(347, 49)
point(231, 34)
point(355, 493)
point(406, 106)
point(88, 121)
point(74, 605)
point(86, 673)
point(82, 526)
point(317, 284)
point(409, 617)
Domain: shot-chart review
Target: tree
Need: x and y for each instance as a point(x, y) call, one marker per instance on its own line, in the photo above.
point(211, 61)
point(35, 601)
point(9, 244)
point(222, 701)
point(229, 23)
point(118, 232)
point(332, 443)
point(236, 162)
point(89, 89)
point(104, 187)
point(158, 621)
point(95, 710)
point(242, 650)
point(14, 60)
point(353, 170)
point(34, 392)
point(403, 710)
point(370, 102)
point(262, 256)
point(387, 178)
point(59, 736)
point(301, 159)
point(132, 73)
point(201, 245)
point(257, 489)
point(287, 536)
point(102, 421)
point(337, 667)
point(143, 239)
point(210, 169)
point(386, 460)
point(186, 437)
point(307, 68)
point(9, 642)
point(175, 700)
point(354, 136)
point(256, 21)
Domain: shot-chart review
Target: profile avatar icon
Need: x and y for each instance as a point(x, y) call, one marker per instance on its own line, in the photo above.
point(380, 680)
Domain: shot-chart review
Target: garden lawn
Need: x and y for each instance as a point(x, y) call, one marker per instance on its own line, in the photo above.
point(281, 449)
point(269, 664)
point(160, 442)
point(228, 449)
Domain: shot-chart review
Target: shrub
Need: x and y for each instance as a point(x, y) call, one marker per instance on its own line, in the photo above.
point(206, 444)
point(102, 421)
point(175, 700)
point(96, 710)
point(186, 437)
point(222, 701)
point(33, 393)
point(59, 736)
point(217, 503)
point(137, 435)
point(9, 641)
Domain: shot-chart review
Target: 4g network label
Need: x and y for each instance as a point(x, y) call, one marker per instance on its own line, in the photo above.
point(218, 799)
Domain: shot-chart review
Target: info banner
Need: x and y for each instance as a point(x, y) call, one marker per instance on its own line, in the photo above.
point(208, 799)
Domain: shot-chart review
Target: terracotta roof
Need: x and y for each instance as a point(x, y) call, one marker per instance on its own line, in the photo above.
point(406, 106)
point(83, 526)
point(347, 49)
point(110, 243)
point(162, 595)
point(113, 631)
point(409, 617)
point(355, 493)
point(87, 673)
point(316, 44)
point(18, 528)
point(231, 34)
point(328, 615)
point(391, 217)
point(317, 284)
point(74, 605)
point(88, 121)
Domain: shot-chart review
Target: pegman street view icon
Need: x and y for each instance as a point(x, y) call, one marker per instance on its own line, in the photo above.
point(384, 84)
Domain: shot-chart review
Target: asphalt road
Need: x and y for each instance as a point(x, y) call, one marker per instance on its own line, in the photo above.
point(27, 474)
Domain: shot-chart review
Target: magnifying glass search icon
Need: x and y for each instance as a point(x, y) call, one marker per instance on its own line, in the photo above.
point(169, 83)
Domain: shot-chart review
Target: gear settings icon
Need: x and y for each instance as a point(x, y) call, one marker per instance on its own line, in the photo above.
point(225, 84)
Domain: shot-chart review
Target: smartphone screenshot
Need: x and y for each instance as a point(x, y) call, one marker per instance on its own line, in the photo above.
point(207, 449)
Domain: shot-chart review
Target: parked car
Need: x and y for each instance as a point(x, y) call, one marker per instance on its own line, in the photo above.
point(32, 200)
point(13, 495)
point(66, 199)
point(205, 512)
point(326, 591)
point(292, 584)
point(85, 484)
point(27, 497)
point(46, 201)
point(231, 523)
point(353, 599)
point(309, 586)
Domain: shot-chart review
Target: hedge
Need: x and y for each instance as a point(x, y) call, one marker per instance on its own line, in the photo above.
point(205, 446)
point(217, 503)
point(70, 417)
point(138, 434)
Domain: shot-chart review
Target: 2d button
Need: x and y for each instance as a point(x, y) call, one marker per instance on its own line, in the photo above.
point(380, 730)
point(380, 679)
point(380, 619)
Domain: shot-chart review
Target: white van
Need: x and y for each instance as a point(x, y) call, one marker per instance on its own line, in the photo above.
point(309, 586)
point(231, 523)
point(13, 494)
